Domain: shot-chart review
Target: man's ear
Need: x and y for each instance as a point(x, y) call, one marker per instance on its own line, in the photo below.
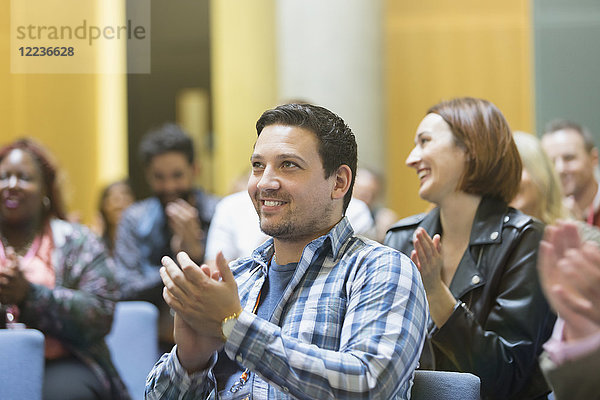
point(343, 178)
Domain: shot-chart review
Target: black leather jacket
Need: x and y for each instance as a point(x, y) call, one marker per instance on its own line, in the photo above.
point(502, 319)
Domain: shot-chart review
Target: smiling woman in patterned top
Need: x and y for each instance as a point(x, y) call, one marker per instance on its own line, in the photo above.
point(55, 276)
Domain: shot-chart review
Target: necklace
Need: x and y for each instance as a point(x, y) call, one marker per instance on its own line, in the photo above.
point(20, 251)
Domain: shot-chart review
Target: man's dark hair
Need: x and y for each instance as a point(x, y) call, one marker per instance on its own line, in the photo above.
point(563, 124)
point(337, 144)
point(166, 138)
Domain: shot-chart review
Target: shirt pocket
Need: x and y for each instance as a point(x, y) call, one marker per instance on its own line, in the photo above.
point(319, 322)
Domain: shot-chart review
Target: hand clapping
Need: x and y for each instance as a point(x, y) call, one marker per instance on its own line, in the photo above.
point(570, 277)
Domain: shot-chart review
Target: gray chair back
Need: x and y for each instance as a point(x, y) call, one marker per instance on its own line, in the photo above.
point(444, 385)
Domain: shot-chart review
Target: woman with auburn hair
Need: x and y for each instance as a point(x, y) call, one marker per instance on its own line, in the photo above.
point(476, 255)
point(55, 276)
point(539, 192)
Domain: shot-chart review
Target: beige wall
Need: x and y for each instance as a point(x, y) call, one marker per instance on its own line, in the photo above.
point(79, 117)
point(243, 81)
point(432, 50)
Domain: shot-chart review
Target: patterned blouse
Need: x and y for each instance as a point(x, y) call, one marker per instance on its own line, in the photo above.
point(78, 311)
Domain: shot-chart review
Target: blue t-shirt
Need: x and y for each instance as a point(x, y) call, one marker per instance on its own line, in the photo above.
point(227, 371)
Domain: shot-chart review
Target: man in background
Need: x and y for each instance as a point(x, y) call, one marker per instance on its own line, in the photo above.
point(369, 187)
point(176, 218)
point(571, 148)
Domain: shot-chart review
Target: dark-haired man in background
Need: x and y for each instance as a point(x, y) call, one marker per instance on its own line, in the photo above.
point(175, 219)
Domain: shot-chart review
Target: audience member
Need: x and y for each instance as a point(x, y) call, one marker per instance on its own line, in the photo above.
point(175, 219)
point(316, 312)
point(570, 275)
point(539, 194)
point(369, 188)
point(114, 199)
point(571, 148)
point(240, 184)
point(235, 228)
point(55, 276)
point(476, 255)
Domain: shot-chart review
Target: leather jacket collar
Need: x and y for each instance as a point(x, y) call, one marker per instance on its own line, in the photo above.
point(487, 229)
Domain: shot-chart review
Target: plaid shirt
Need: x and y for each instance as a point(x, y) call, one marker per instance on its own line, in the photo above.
point(350, 325)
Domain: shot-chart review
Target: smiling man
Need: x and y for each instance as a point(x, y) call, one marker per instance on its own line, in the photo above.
point(315, 312)
point(571, 148)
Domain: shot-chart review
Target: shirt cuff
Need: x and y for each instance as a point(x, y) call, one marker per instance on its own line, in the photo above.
point(235, 339)
point(560, 351)
point(185, 380)
point(248, 339)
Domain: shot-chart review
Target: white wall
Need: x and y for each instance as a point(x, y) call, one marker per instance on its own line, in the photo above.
point(329, 52)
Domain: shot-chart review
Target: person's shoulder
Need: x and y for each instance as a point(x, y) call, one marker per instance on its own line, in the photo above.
point(399, 236)
point(408, 223)
point(234, 207)
point(235, 199)
point(364, 247)
point(207, 199)
point(357, 206)
point(68, 228)
point(373, 257)
point(64, 232)
point(140, 208)
point(206, 203)
point(518, 220)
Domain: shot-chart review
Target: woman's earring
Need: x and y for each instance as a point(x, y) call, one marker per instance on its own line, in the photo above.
point(46, 202)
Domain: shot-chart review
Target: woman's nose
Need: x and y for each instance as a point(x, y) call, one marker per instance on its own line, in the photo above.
point(413, 158)
point(12, 181)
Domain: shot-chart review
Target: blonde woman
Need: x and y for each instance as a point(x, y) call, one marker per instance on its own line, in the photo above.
point(539, 193)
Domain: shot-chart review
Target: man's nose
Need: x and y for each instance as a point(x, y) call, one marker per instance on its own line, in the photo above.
point(268, 180)
point(170, 185)
point(559, 165)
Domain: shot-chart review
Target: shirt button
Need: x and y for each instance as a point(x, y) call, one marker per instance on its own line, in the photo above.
point(475, 279)
point(506, 218)
point(285, 389)
point(494, 235)
point(239, 358)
